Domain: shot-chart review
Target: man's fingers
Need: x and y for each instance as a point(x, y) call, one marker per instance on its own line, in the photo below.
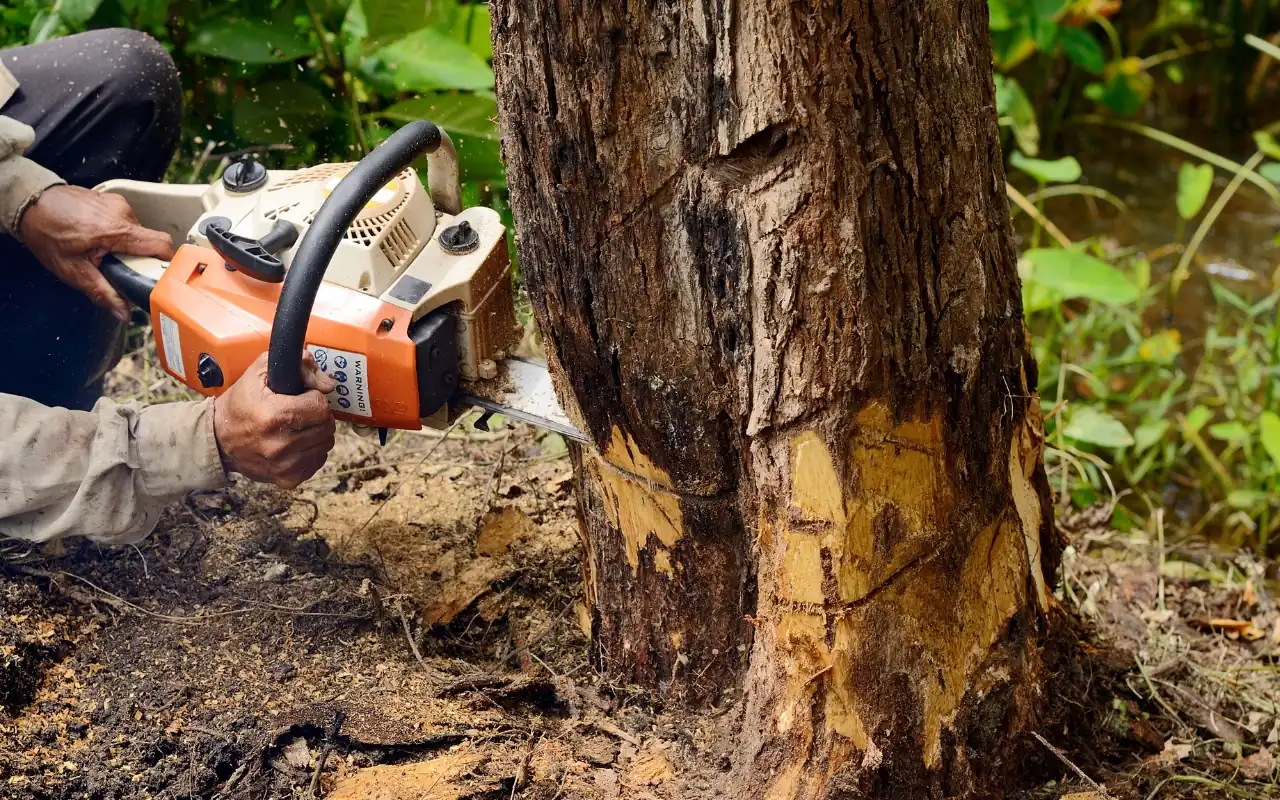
point(312, 377)
point(139, 241)
point(307, 410)
point(86, 277)
point(120, 206)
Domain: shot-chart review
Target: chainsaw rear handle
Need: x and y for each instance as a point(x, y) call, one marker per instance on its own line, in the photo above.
point(132, 286)
point(320, 242)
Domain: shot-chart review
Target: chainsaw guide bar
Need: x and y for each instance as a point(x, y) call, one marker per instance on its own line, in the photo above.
point(522, 391)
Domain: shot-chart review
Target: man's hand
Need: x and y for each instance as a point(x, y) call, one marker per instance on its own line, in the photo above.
point(70, 229)
point(275, 438)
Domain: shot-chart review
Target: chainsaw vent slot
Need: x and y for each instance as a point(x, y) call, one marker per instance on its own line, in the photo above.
point(322, 172)
point(275, 213)
point(399, 244)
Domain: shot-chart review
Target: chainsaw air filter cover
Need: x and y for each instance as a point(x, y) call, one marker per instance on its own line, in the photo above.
point(386, 236)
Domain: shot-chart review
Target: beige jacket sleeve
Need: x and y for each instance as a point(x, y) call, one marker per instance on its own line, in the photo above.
point(103, 474)
point(21, 180)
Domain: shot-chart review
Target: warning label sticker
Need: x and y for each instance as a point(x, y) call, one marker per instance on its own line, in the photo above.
point(350, 371)
point(171, 341)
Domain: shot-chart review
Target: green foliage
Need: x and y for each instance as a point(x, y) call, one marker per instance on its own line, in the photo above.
point(1194, 183)
point(306, 81)
point(1063, 170)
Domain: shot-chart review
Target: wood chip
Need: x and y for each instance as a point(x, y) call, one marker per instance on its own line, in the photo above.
point(1259, 767)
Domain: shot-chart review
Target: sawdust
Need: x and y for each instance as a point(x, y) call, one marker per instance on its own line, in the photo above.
point(425, 780)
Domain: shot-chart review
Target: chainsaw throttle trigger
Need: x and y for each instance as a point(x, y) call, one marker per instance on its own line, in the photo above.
point(298, 295)
point(254, 257)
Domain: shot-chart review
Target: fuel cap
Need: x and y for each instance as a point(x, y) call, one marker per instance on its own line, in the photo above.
point(458, 239)
point(242, 177)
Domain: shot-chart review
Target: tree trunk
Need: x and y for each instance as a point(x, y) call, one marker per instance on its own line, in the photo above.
point(769, 250)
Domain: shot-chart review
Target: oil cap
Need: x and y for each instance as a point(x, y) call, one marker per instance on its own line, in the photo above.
point(242, 177)
point(459, 239)
point(208, 371)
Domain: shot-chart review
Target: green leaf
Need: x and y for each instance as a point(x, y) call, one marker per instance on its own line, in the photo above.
point(1270, 171)
point(280, 112)
point(1233, 432)
point(1197, 417)
point(1175, 73)
point(1150, 433)
point(430, 59)
point(1063, 170)
point(1083, 49)
point(1045, 32)
point(250, 41)
point(1245, 499)
point(1161, 347)
point(78, 12)
point(1269, 427)
point(1267, 144)
point(388, 20)
point(1124, 92)
point(469, 121)
point(999, 13)
point(1194, 183)
point(1074, 274)
point(1015, 109)
point(1095, 426)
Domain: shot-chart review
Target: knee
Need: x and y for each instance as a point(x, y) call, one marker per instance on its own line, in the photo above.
point(136, 70)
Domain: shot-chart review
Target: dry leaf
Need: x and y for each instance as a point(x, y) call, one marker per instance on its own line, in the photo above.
point(1172, 753)
point(1249, 597)
point(1084, 796)
point(1275, 632)
point(1259, 766)
point(1236, 626)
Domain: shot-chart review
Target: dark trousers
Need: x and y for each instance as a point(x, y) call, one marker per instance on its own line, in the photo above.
point(104, 104)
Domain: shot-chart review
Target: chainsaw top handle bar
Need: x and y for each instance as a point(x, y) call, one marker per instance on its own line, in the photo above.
point(356, 189)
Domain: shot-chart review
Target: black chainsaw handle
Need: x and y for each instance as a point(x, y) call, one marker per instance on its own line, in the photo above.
point(132, 286)
point(311, 259)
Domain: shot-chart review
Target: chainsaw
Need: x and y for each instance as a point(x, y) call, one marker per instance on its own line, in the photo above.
point(402, 297)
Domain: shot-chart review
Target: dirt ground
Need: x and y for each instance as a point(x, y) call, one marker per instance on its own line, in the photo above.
point(409, 624)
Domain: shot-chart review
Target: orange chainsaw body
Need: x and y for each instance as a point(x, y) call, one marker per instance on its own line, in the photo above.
point(205, 313)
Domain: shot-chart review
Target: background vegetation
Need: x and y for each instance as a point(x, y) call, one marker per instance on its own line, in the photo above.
point(1143, 174)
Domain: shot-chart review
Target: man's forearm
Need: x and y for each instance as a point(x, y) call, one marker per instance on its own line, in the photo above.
point(104, 474)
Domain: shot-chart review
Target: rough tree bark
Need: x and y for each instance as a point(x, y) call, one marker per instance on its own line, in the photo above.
point(769, 250)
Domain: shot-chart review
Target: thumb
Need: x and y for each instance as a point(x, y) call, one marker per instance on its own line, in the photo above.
point(312, 377)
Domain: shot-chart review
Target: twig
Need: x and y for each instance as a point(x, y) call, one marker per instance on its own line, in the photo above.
point(1142, 670)
point(233, 781)
point(1097, 787)
point(613, 730)
point(201, 620)
point(195, 173)
point(408, 634)
point(329, 737)
point(539, 637)
point(1026, 205)
point(493, 485)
